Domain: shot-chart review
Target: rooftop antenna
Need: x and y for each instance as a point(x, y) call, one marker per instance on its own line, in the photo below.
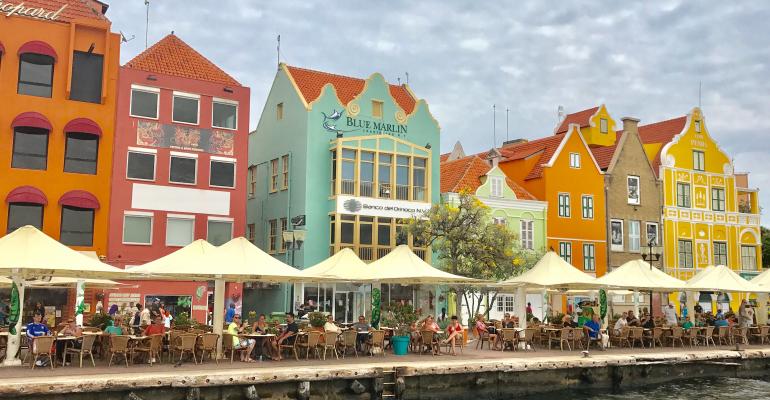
point(278, 48)
point(506, 123)
point(124, 39)
point(494, 125)
point(398, 78)
point(559, 114)
point(407, 77)
point(700, 87)
point(147, 23)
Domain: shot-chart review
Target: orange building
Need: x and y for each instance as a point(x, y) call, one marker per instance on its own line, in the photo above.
point(561, 170)
point(58, 77)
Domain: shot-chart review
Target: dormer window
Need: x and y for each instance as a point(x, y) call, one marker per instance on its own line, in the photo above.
point(697, 126)
point(603, 125)
point(496, 186)
point(376, 109)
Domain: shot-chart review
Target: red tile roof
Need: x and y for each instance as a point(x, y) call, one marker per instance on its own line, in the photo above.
point(546, 147)
point(603, 155)
point(172, 56)
point(444, 157)
point(465, 173)
point(76, 9)
point(661, 132)
point(311, 82)
point(581, 118)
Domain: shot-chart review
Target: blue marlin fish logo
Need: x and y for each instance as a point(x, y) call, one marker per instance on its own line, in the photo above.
point(330, 122)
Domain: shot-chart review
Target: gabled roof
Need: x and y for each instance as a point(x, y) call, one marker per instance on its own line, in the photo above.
point(603, 155)
point(172, 56)
point(76, 9)
point(311, 82)
point(466, 173)
point(444, 157)
point(582, 118)
point(545, 147)
point(661, 132)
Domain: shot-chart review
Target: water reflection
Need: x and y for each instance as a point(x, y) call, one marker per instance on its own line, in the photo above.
point(702, 389)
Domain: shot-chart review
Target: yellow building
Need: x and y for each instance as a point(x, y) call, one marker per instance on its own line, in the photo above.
point(710, 216)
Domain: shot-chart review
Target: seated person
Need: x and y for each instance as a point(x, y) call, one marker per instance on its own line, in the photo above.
point(362, 329)
point(260, 325)
point(687, 324)
point(114, 327)
point(71, 329)
point(430, 324)
point(289, 334)
point(37, 328)
point(155, 328)
point(534, 321)
point(567, 322)
point(632, 320)
point(236, 328)
point(481, 327)
point(508, 321)
point(330, 326)
point(621, 322)
point(720, 321)
point(593, 328)
point(414, 334)
point(648, 322)
point(455, 332)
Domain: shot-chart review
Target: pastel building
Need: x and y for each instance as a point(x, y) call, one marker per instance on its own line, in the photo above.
point(59, 65)
point(179, 167)
point(343, 160)
point(508, 202)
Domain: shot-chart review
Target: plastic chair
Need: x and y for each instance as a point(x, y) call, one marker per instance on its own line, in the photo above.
point(86, 347)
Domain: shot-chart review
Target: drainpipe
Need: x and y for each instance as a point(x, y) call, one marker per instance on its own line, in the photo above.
point(288, 305)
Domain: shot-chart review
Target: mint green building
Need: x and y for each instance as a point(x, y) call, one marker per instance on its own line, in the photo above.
point(509, 204)
point(342, 160)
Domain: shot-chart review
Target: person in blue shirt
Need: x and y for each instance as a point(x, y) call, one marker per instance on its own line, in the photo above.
point(230, 313)
point(594, 328)
point(721, 322)
point(37, 327)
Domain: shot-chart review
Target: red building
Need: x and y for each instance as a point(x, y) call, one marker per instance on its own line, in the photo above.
point(179, 171)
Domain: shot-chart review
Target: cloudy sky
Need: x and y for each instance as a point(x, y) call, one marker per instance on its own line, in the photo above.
point(644, 60)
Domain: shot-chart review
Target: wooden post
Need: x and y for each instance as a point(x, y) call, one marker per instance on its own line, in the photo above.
point(219, 312)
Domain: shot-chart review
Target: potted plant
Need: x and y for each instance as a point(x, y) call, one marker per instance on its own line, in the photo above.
point(100, 321)
point(399, 317)
point(317, 319)
point(182, 321)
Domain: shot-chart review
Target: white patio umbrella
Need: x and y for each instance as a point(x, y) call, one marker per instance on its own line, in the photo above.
point(401, 265)
point(28, 253)
point(552, 272)
point(721, 278)
point(342, 266)
point(60, 281)
point(639, 275)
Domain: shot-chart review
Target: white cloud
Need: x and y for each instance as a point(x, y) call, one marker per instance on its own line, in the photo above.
point(475, 44)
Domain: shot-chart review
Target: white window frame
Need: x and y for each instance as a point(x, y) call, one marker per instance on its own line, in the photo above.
point(137, 214)
point(604, 125)
point(574, 160)
point(220, 219)
point(197, 97)
point(753, 257)
point(505, 303)
point(592, 265)
point(495, 186)
point(565, 250)
point(697, 126)
point(699, 161)
point(621, 246)
point(630, 178)
point(722, 201)
point(657, 233)
point(146, 89)
point(183, 155)
point(180, 217)
point(585, 200)
point(499, 221)
point(527, 234)
point(223, 101)
point(224, 160)
point(567, 205)
point(154, 153)
point(634, 239)
point(726, 255)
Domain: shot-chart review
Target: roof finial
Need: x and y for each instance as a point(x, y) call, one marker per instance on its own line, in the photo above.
point(147, 23)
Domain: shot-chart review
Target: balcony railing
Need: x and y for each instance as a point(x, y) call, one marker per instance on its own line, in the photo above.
point(366, 253)
point(402, 192)
point(386, 190)
point(366, 189)
point(418, 193)
point(348, 187)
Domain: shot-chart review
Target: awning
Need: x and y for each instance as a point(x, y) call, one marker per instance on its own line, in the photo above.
point(38, 47)
point(33, 120)
point(83, 125)
point(26, 194)
point(80, 199)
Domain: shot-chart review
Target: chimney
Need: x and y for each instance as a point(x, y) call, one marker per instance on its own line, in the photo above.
point(493, 157)
point(514, 142)
point(630, 124)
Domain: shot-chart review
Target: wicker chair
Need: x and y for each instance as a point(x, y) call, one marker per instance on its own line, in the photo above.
point(656, 337)
point(152, 347)
point(119, 345)
point(622, 337)
point(428, 342)
point(707, 335)
point(330, 343)
point(531, 335)
point(86, 347)
point(741, 335)
point(692, 336)
point(348, 342)
point(676, 334)
point(764, 333)
point(636, 334)
point(377, 341)
point(228, 346)
point(579, 338)
point(723, 335)
point(41, 347)
point(482, 336)
point(509, 336)
point(185, 344)
point(313, 341)
point(564, 336)
point(208, 343)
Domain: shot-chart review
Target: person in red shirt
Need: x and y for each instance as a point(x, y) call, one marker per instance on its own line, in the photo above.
point(455, 331)
point(156, 328)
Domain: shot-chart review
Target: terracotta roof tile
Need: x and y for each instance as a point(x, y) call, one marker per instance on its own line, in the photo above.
point(76, 9)
point(311, 82)
point(581, 118)
point(545, 146)
point(444, 157)
point(466, 173)
point(172, 56)
point(661, 132)
point(521, 193)
point(603, 155)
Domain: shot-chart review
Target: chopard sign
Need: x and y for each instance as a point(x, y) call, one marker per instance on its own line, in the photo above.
point(10, 9)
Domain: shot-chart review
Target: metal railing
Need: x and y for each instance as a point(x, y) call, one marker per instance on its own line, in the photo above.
point(418, 193)
point(348, 187)
point(366, 189)
point(402, 192)
point(386, 191)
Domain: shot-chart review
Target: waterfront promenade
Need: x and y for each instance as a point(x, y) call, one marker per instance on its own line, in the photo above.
point(44, 381)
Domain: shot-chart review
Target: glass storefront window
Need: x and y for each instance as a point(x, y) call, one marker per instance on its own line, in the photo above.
point(348, 171)
point(402, 178)
point(384, 178)
point(367, 174)
point(348, 224)
point(418, 179)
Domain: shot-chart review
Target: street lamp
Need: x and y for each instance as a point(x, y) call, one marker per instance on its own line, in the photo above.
point(651, 257)
point(293, 240)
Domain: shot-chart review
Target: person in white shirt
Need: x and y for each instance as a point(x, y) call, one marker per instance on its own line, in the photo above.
point(329, 326)
point(670, 314)
point(621, 322)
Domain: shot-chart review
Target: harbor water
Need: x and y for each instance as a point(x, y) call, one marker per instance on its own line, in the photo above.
point(701, 389)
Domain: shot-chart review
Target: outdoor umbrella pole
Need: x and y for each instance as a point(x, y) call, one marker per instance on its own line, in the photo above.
point(14, 341)
point(521, 306)
point(219, 311)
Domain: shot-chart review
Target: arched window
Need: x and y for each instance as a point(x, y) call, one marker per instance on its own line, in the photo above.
point(25, 207)
point(35, 74)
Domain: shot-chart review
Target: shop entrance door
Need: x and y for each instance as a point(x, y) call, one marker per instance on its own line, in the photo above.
point(344, 306)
